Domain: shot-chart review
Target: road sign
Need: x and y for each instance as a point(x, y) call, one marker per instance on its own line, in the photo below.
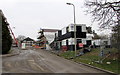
point(80, 44)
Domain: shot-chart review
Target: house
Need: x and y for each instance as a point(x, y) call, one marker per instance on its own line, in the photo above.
point(57, 43)
point(57, 39)
point(65, 37)
point(27, 43)
point(89, 39)
point(100, 42)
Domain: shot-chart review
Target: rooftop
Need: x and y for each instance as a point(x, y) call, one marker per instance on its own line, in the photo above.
point(50, 30)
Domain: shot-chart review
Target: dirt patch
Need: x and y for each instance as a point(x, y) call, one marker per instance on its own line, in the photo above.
point(113, 56)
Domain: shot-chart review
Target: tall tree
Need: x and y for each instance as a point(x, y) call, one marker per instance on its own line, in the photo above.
point(96, 36)
point(116, 36)
point(21, 37)
point(106, 12)
point(6, 37)
point(89, 30)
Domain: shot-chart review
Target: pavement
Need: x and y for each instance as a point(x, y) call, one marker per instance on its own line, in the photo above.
point(24, 62)
point(14, 51)
point(41, 61)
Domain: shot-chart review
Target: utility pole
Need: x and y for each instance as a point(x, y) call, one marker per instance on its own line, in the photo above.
point(75, 40)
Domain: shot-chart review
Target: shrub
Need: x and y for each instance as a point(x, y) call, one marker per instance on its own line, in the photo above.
point(6, 37)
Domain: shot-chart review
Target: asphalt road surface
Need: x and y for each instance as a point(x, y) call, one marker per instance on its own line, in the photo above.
point(40, 61)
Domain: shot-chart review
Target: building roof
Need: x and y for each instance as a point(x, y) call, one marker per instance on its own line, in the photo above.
point(50, 30)
point(27, 39)
point(40, 37)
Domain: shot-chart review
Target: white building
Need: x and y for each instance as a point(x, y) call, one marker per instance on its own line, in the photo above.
point(99, 42)
point(66, 36)
point(50, 34)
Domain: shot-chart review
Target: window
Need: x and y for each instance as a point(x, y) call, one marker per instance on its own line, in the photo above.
point(72, 28)
point(67, 29)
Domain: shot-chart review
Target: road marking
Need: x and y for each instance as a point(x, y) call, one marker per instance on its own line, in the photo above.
point(34, 65)
point(38, 66)
point(31, 60)
point(16, 64)
point(8, 64)
point(42, 59)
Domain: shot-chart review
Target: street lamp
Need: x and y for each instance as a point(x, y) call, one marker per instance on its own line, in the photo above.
point(74, 26)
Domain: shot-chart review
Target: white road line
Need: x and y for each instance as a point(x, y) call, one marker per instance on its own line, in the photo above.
point(32, 62)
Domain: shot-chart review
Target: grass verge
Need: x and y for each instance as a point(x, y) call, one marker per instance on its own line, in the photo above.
point(93, 58)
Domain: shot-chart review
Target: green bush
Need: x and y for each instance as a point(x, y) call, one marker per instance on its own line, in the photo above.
point(6, 37)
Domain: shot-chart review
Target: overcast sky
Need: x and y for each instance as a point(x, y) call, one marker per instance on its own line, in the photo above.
point(28, 16)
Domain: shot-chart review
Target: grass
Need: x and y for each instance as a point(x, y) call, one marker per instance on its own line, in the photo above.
point(10, 51)
point(111, 67)
point(93, 56)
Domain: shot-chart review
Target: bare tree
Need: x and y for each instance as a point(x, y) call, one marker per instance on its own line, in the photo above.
point(106, 12)
point(115, 38)
point(21, 37)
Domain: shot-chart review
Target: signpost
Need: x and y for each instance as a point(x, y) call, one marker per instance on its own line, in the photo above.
point(102, 48)
point(81, 46)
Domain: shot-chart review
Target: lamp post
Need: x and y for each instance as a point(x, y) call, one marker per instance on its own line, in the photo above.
point(74, 26)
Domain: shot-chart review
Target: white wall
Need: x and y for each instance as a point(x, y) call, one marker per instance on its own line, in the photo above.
point(49, 36)
point(63, 42)
point(64, 31)
point(71, 41)
point(89, 36)
point(84, 41)
point(97, 42)
point(71, 27)
point(101, 41)
point(84, 28)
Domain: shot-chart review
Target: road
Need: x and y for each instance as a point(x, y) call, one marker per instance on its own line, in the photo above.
point(40, 61)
